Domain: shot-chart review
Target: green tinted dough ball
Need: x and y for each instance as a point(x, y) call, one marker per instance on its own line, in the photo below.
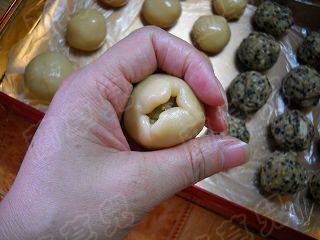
point(282, 173)
point(314, 186)
point(301, 87)
point(249, 91)
point(86, 30)
point(273, 18)
point(115, 3)
point(259, 51)
point(238, 129)
point(309, 51)
point(45, 72)
point(292, 131)
point(211, 33)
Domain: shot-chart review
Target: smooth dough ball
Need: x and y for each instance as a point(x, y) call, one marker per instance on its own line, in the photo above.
point(238, 129)
point(162, 112)
point(273, 18)
point(282, 173)
point(162, 13)
point(211, 33)
point(292, 131)
point(115, 3)
point(86, 30)
point(309, 51)
point(230, 9)
point(249, 91)
point(45, 72)
point(301, 87)
point(259, 51)
point(314, 186)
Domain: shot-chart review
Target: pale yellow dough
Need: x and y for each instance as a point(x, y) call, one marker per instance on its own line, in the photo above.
point(175, 125)
point(86, 30)
point(115, 3)
point(211, 33)
point(162, 13)
point(230, 9)
point(45, 72)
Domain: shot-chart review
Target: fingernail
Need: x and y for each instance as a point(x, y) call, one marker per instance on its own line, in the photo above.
point(235, 154)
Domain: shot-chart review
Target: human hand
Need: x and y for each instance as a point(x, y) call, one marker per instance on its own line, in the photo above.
point(79, 178)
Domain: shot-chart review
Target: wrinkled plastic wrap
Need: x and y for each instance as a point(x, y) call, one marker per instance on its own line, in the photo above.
point(237, 185)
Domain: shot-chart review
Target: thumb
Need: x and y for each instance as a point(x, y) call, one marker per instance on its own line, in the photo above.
point(174, 169)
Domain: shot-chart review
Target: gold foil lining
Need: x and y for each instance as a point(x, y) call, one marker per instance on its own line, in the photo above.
point(237, 185)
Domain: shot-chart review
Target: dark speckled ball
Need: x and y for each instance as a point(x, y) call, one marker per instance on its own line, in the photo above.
point(273, 18)
point(238, 129)
point(282, 173)
point(292, 131)
point(309, 51)
point(259, 51)
point(301, 87)
point(314, 186)
point(249, 91)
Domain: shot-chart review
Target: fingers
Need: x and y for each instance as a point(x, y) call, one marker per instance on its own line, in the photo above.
point(140, 54)
point(216, 118)
point(174, 169)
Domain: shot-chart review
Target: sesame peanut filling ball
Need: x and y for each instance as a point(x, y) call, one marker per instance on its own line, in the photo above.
point(309, 51)
point(238, 129)
point(314, 186)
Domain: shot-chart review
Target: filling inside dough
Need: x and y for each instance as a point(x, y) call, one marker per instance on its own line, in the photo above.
point(154, 115)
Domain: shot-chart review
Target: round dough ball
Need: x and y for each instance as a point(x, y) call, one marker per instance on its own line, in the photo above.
point(249, 91)
point(115, 3)
point(309, 51)
point(273, 18)
point(282, 173)
point(45, 72)
point(230, 9)
point(314, 186)
point(292, 131)
point(238, 129)
point(86, 30)
point(211, 33)
point(259, 51)
point(162, 112)
point(301, 87)
point(162, 13)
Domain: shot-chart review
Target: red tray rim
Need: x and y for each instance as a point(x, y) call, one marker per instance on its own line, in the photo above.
point(262, 225)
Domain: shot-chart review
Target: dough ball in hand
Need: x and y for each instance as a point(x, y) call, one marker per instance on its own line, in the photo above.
point(282, 173)
point(45, 72)
point(211, 33)
point(273, 18)
point(259, 51)
point(162, 112)
point(249, 91)
point(301, 87)
point(292, 131)
point(230, 9)
point(86, 30)
point(309, 51)
point(161, 13)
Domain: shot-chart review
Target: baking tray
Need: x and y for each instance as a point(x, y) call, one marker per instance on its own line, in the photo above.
point(262, 225)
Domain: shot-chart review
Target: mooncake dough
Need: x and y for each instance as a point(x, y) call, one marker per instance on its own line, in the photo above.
point(282, 173)
point(211, 33)
point(162, 112)
point(273, 18)
point(115, 3)
point(86, 30)
point(230, 9)
point(292, 131)
point(314, 186)
point(309, 51)
point(237, 128)
point(301, 87)
point(259, 51)
point(161, 13)
point(249, 91)
point(45, 72)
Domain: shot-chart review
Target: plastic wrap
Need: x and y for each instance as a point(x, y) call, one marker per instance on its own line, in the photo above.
point(237, 185)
